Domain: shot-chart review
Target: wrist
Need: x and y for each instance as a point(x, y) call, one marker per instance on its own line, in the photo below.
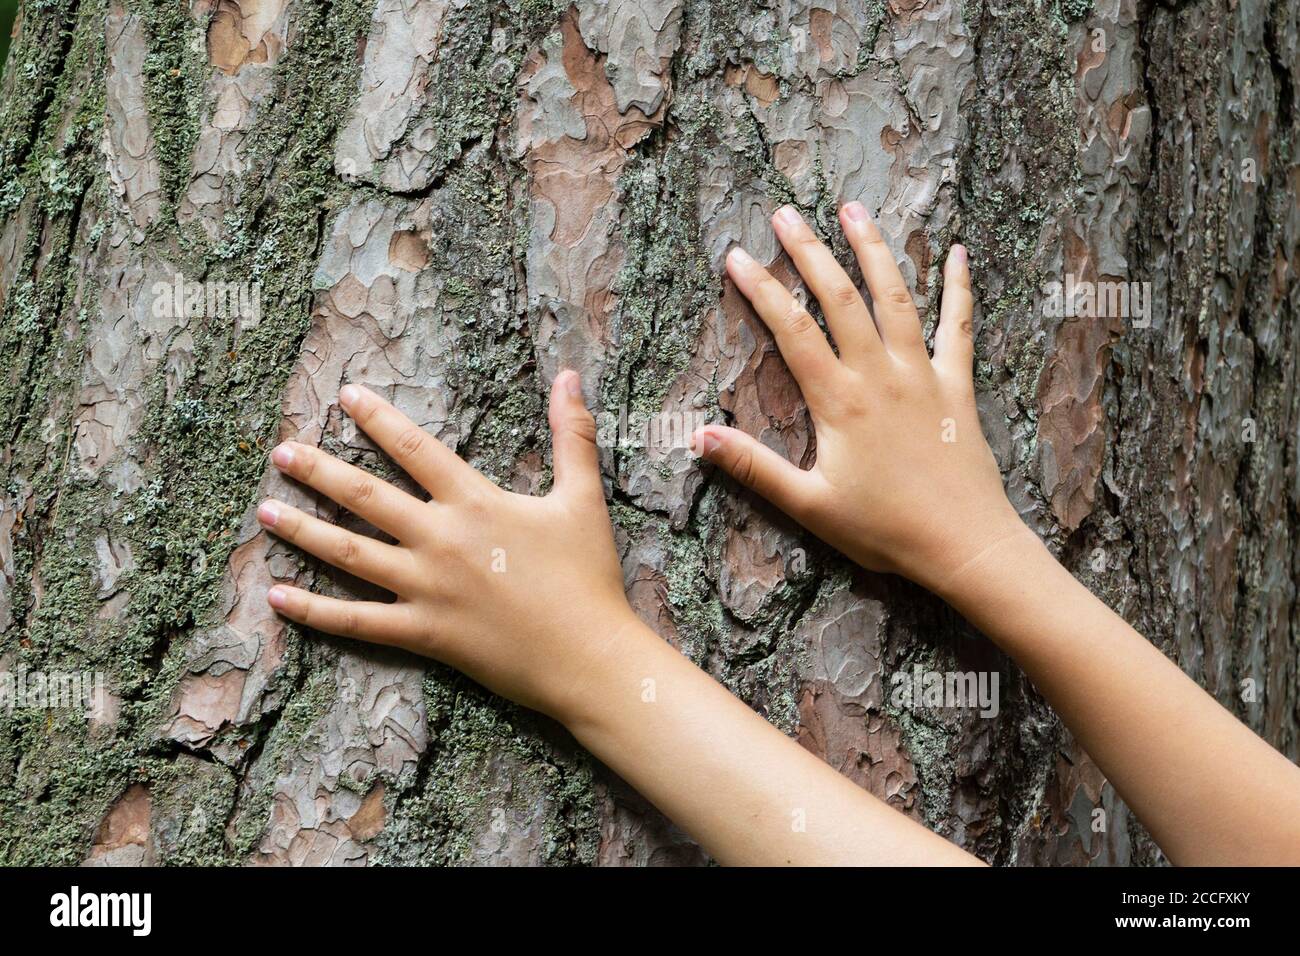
point(957, 546)
point(604, 672)
point(1001, 550)
point(999, 587)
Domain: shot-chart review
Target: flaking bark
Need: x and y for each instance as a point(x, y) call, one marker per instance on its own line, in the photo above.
point(450, 201)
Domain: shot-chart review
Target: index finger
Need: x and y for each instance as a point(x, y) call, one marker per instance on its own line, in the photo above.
point(437, 468)
point(802, 343)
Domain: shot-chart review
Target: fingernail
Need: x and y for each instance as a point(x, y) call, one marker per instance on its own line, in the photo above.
point(789, 215)
point(855, 211)
point(348, 395)
point(573, 384)
point(958, 254)
point(268, 512)
point(282, 457)
point(703, 442)
point(740, 257)
point(277, 597)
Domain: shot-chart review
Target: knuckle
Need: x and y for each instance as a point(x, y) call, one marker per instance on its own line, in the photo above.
point(798, 321)
point(289, 524)
point(769, 286)
point(850, 403)
point(745, 469)
point(410, 442)
point(345, 552)
point(350, 622)
point(305, 459)
point(360, 490)
point(418, 627)
point(806, 237)
point(893, 391)
point(843, 294)
point(476, 509)
point(897, 295)
point(584, 426)
point(365, 410)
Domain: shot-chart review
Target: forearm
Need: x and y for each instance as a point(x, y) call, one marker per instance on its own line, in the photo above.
point(1208, 789)
point(749, 794)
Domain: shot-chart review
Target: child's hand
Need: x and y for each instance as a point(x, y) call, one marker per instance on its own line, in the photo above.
point(523, 594)
point(904, 480)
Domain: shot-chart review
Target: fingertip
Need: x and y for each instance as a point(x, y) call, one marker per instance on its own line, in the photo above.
point(570, 383)
point(282, 455)
point(956, 269)
point(854, 212)
point(575, 457)
point(787, 215)
point(566, 404)
point(268, 513)
point(705, 441)
point(858, 224)
point(278, 597)
point(738, 258)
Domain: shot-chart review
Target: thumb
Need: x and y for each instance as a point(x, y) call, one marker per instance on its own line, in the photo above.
point(954, 341)
point(754, 465)
point(573, 438)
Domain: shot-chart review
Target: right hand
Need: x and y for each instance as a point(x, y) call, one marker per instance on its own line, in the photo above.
point(904, 481)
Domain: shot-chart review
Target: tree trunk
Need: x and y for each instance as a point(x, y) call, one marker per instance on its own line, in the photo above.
point(450, 201)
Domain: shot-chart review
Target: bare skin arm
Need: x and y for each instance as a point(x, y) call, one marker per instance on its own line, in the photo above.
point(905, 482)
point(1208, 789)
point(526, 596)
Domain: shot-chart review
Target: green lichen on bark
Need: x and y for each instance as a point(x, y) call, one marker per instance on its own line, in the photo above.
point(173, 71)
point(208, 436)
point(492, 781)
point(49, 125)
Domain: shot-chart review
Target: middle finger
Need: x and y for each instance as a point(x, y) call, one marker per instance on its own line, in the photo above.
point(846, 314)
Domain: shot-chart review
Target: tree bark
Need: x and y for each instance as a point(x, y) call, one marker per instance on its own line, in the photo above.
point(450, 201)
